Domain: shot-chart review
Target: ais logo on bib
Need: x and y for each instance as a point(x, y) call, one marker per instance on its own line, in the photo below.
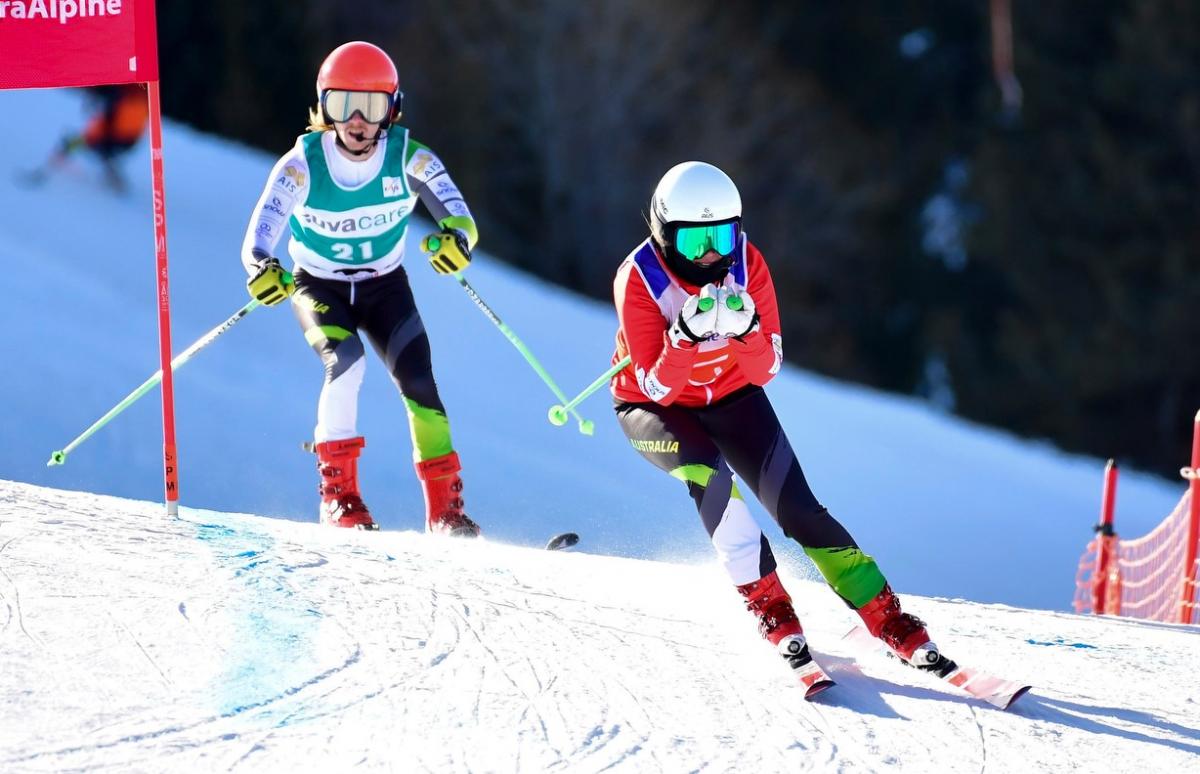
point(393, 186)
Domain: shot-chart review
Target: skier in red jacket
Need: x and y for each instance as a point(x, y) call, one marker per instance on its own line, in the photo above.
point(699, 319)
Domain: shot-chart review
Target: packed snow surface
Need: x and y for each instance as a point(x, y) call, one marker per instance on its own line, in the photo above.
point(228, 642)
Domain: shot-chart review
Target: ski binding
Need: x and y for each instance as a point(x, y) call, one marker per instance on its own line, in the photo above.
point(795, 651)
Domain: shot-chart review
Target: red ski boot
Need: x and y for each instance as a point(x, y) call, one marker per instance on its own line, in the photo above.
point(903, 632)
point(768, 600)
point(341, 505)
point(443, 497)
point(777, 622)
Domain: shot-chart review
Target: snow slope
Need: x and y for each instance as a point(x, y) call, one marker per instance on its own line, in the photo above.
point(948, 508)
point(226, 642)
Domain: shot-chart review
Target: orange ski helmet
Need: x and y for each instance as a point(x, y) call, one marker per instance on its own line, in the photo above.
point(360, 66)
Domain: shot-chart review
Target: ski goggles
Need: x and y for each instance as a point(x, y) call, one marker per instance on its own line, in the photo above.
point(340, 105)
point(693, 242)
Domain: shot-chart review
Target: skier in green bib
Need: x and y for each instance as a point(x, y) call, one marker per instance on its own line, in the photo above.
point(346, 192)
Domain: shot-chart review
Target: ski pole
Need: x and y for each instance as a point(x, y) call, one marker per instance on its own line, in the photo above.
point(558, 413)
point(60, 457)
point(586, 426)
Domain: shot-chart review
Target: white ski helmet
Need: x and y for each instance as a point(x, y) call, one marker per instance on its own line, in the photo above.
point(694, 194)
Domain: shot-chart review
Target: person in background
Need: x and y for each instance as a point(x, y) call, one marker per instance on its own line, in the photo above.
point(698, 316)
point(346, 192)
point(117, 124)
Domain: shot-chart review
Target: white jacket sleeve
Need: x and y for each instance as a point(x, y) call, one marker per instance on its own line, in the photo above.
point(286, 187)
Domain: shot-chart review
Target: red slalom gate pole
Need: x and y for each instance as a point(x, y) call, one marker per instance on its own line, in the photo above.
point(1192, 474)
point(1106, 586)
point(113, 44)
point(170, 463)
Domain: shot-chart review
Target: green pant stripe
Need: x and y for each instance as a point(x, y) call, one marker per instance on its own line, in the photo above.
point(852, 574)
point(430, 431)
point(317, 333)
point(701, 475)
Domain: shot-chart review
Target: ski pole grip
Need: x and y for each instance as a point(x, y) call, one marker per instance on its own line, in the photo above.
point(705, 304)
point(734, 303)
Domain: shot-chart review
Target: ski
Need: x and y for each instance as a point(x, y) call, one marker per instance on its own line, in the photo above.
point(812, 677)
point(559, 542)
point(562, 541)
point(996, 691)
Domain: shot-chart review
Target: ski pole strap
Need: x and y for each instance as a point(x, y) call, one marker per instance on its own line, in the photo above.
point(60, 457)
point(520, 345)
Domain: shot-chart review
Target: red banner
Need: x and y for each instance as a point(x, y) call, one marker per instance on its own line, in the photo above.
point(48, 43)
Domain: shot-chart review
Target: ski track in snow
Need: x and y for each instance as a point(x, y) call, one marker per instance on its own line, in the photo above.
point(225, 642)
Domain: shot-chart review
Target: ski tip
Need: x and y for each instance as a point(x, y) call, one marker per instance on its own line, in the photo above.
point(817, 688)
point(561, 541)
point(1016, 695)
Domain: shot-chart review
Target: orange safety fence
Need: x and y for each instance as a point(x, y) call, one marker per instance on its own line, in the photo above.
point(1156, 576)
point(1149, 577)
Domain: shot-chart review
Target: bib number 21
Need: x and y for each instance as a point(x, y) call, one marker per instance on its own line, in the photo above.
point(343, 251)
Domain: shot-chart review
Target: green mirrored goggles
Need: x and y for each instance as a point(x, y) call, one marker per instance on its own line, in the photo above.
point(693, 242)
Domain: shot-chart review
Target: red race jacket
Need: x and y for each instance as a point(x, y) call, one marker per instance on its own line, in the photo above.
point(648, 298)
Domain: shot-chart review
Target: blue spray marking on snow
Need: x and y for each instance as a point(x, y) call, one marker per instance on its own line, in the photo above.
point(1060, 642)
point(271, 646)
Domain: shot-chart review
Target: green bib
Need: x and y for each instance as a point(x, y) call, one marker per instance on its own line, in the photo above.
point(360, 227)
